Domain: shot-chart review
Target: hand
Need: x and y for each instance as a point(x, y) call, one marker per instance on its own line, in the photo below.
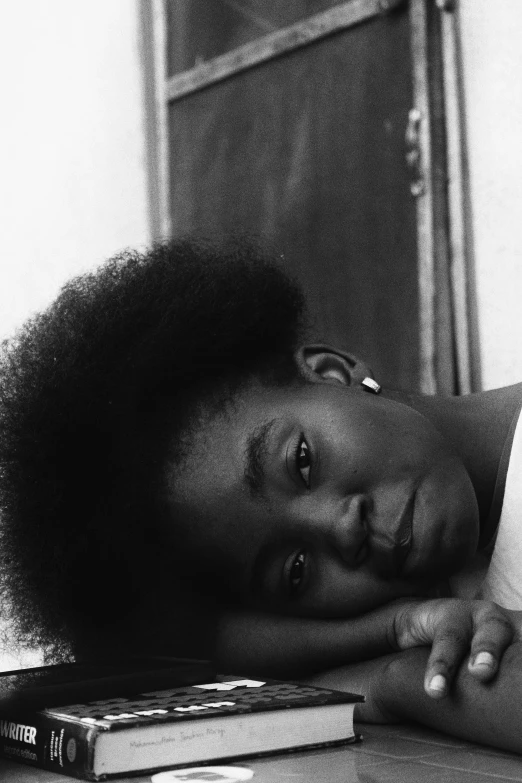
point(455, 627)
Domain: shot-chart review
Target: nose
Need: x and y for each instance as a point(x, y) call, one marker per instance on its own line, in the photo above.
point(349, 531)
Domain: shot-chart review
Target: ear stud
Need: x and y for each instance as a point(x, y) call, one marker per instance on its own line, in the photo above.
point(371, 386)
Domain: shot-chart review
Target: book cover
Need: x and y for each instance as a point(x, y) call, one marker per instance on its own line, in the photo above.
point(229, 717)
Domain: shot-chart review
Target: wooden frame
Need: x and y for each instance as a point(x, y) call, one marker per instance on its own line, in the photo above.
point(339, 17)
point(425, 243)
point(442, 225)
point(459, 212)
point(153, 34)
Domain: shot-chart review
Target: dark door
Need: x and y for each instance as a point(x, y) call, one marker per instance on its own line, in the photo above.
point(303, 145)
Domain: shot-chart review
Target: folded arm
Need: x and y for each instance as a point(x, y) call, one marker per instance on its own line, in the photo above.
point(291, 647)
point(488, 713)
point(272, 645)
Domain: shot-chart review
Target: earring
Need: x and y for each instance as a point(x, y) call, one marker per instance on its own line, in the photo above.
point(370, 385)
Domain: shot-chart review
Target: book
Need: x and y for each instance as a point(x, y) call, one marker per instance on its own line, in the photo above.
point(227, 718)
point(79, 681)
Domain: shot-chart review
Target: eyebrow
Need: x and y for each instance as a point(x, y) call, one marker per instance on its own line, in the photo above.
point(256, 453)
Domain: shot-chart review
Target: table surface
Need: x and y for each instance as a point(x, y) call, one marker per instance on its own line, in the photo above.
point(400, 753)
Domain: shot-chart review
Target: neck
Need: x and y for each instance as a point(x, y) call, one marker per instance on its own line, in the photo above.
point(476, 426)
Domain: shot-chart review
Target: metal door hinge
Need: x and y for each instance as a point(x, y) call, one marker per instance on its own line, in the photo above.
point(413, 152)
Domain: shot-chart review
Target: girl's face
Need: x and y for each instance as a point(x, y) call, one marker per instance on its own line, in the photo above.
point(324, 500)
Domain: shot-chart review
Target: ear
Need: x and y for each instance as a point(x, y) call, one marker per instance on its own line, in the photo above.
point(319, 363)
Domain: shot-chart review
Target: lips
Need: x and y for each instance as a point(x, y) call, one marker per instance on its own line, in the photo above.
point(404, 536)
point(390, 554)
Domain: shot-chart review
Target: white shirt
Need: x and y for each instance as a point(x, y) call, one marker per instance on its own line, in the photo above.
point(499, 579)
point(503, 581)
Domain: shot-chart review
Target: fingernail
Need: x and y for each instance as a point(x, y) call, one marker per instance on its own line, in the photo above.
point(438, 683)
point(484, 659)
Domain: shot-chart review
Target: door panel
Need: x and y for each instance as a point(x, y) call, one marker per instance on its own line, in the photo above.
point(307, 151)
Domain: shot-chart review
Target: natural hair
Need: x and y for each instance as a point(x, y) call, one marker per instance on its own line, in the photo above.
point(94, 392)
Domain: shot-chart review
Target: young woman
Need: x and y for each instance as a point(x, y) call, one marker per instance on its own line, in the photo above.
point(182, 471)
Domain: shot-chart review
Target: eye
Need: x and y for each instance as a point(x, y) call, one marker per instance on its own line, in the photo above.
point(296, 573)
point(303, 461)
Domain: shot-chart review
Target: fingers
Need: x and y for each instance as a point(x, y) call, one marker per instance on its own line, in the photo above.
point(449, 648)
point(486, 626)
point(493, 633)
point(483, 665)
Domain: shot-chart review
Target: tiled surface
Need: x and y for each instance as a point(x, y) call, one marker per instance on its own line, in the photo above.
point(387, 754)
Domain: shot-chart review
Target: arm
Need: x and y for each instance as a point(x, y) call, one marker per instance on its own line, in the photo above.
point(271, 645)
point(486, 713)
point(281, 646)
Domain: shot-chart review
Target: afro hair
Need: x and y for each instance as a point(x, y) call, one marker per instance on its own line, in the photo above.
point(93, 392)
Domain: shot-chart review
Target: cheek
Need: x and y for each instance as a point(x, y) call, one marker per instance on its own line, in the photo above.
point(448, 490)
point(385, 451)
point(446, 522)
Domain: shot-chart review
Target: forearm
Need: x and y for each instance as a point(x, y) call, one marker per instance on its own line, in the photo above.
point(281, 646)
point(485, 713)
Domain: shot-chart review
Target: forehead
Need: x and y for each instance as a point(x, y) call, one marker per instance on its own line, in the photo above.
point(226, 451)
point(222, 440)
point(217, 455)
point(216, 495)
point(209, 496)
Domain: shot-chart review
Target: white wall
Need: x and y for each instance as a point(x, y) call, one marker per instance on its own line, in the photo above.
point(72, 171)
point(492, 49)
point(73, 186)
